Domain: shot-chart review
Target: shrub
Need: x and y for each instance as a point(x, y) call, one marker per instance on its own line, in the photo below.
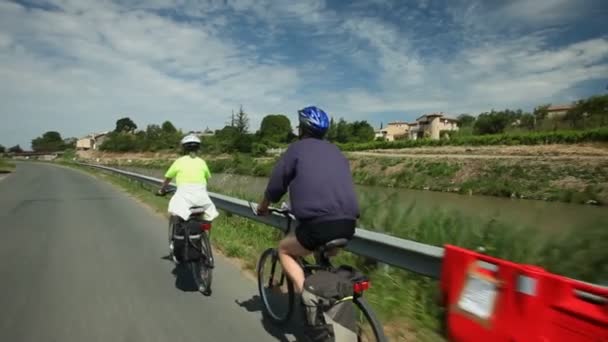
point(533, 138)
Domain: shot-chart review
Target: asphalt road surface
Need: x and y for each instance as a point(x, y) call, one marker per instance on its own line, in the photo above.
point(81, 261)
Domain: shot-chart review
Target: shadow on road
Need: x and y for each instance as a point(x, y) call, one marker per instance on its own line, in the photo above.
point(183, 277)
point(290, 331)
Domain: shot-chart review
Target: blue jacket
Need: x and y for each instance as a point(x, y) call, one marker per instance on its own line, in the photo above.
point(319, 181)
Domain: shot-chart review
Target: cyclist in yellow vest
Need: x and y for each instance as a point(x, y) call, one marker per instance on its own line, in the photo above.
point(191, 175)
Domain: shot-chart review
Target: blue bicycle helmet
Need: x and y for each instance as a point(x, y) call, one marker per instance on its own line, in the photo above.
point(313, 121)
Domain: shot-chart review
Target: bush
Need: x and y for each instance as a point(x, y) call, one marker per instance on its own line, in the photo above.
point(259, 149)
point(536, 138)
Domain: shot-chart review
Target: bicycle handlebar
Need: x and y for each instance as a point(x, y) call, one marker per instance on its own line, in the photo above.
point(168, 191)
point(284, 210)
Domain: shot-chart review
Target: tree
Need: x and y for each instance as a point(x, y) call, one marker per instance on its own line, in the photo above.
point(120, 142)
point(361, 131)
point(275, 128)
point(332, 132)
point(491, 123)
point(343, 131)
point(2, 149)
point(151, 140)
point(227, 138)
point(49, 142)
point(125, 125)
point(69, 143)
point(596, 107)
point(168, 127)
point(575, 114)
point(465, 120)
point(241, 121)
point(244, 143)
point(528, 121)
point(15, 149)
point(541, 112)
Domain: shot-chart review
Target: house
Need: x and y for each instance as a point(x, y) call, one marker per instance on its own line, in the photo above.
point(558, 110)
point(92, 141)
point(393, 130)
point(206, 133)
point(432, 126)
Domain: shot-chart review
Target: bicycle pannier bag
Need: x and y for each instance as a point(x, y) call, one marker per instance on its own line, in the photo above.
point(187, 249)
point(329, 309)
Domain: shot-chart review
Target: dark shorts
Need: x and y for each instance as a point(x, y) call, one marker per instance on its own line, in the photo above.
point(314, 235)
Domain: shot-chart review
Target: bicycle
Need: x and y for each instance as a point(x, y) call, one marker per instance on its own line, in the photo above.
point(201, 268)
point(278, 282)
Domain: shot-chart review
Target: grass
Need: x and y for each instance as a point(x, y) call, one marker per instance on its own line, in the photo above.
point(6, 166)
point(532, 179)
point(552, 181)
point(403, 299)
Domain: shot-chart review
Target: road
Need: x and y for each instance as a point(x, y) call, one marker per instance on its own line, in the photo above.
point(82, 261)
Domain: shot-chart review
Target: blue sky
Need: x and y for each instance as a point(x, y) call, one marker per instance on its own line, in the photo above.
point(76, 66)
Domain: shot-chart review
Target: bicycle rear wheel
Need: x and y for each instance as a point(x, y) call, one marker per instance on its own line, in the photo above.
point(276, 290)
point(202, 269)
point(369, 328)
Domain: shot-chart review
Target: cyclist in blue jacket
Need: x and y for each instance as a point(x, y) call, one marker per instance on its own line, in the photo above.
point(321, 192)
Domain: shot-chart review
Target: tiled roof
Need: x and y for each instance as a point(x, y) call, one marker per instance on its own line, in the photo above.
point(560, 107)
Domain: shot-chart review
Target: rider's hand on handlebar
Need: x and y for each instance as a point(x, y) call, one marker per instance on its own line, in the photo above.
point(262, 209)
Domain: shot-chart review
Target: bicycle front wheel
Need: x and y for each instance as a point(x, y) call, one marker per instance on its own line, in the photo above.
point(276, 290)
point(369, 328)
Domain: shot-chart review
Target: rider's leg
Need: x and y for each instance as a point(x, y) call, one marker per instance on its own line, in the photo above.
point(289, 248)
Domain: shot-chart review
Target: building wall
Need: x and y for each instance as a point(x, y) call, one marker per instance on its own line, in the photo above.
point(435, 128)
point(98, 141)
point(556, 113)
point(394, 130)
point(84, 144)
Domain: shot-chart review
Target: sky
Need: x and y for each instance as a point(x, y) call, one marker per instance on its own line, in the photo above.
point(76, 66)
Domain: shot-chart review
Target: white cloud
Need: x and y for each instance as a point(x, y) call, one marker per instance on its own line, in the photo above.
point(79, 68)
point(102, 63)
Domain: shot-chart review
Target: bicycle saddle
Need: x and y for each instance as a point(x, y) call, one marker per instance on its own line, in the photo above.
point(197, 210)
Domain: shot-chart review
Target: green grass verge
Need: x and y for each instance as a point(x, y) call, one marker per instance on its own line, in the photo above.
point(533, 179)
point(6, 166)
point(406, 302)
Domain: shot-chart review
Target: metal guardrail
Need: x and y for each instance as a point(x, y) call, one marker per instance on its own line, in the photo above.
point(406, 254)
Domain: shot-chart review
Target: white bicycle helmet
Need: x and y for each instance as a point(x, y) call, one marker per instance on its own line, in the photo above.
point(191, 139)
point(191, 142)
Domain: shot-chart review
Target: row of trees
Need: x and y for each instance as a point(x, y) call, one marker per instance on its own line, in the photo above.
point(588, 113)
point(50, 141)
point(125, 137)
point(13, 149)
point(275, 131)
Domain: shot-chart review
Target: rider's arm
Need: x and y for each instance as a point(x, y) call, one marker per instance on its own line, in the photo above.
point(165, 184)
point(170, 174)
point(282, 174)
